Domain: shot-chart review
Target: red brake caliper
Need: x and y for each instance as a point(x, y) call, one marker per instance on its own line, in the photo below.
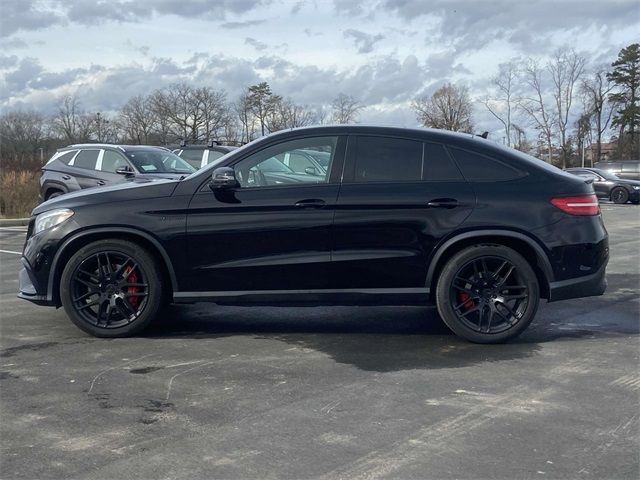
point(131, 277)
point(466, 298)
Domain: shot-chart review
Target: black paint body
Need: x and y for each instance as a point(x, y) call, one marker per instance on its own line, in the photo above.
point(350, 243)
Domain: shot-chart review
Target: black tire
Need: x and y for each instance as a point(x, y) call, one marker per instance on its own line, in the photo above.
point(475, 291)
point(54, 194)
point(619, 195)
point(111, 288)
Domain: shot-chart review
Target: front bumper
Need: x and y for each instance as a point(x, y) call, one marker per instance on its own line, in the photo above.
point(28, 289)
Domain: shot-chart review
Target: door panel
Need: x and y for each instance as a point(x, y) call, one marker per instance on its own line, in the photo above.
point(270, 233)
point(258, 239)
point(383, 234)
point(400, 198)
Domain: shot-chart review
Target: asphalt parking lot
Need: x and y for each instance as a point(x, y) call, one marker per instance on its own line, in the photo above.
point(340, 392)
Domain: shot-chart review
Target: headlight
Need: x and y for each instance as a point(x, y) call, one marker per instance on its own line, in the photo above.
point(635, 187)
point(51, 219)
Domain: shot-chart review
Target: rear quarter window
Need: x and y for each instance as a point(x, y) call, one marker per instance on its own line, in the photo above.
point(65, 157)
point(477, 167)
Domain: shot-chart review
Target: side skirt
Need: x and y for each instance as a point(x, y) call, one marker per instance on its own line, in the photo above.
point(366, 296)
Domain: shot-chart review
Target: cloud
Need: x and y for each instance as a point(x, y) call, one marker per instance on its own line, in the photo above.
point(238, 25)
point(258, 45)
point(26, 15)
point(363, 41)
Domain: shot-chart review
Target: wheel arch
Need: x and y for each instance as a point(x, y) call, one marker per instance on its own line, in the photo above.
point(79, 240)
point(524, 245)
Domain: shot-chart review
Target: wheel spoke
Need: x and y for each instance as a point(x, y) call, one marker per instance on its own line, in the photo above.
point(109, 267)
point(121, 268)
point(513, 297)
point(489, 320)
point(128, 308)
point(90, 285)
point(136, 294)
point(474, 309)
point(85, 295)
point(509, 309)
point(90, 275)
point(126, 274)
point(504, 279)
point(87, 305)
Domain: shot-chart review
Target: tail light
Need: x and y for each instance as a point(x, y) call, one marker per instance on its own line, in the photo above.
point(577, 205)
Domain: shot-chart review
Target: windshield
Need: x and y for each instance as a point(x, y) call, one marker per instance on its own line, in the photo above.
point(323, 158)
point(158, 161)
point(605, 174)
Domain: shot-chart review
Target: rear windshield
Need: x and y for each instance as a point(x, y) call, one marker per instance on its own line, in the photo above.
point(158, 161)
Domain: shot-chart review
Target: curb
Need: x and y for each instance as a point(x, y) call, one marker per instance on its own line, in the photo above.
point(13, 222)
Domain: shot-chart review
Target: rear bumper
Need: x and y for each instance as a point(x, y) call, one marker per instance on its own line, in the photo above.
point(588, 286)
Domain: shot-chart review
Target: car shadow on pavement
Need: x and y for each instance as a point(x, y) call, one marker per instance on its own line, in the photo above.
point(399, 338)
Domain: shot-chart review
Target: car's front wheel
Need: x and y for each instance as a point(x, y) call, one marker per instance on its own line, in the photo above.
point(487, 293)
point(111, 288)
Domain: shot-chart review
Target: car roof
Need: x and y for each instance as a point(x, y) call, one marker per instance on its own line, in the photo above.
point(225, 148)
point(111, 146)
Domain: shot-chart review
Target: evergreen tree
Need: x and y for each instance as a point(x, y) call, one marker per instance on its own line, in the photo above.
point(626, 76)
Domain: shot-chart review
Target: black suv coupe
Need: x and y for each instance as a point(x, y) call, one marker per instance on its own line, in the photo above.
point(90, 165)
point(400, 216)
point(609, 186)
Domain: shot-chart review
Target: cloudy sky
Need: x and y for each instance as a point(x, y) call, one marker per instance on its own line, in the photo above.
point(383, 52)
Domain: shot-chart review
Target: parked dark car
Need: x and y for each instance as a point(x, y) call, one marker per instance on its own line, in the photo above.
point(609, 186)
point(401, 217)
point(199, 156)
point(90, 165)
point(626, 169)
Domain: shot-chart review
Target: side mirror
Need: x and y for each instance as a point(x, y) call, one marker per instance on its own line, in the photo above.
point(310, 171)
point(126, 170)
point(224, 177)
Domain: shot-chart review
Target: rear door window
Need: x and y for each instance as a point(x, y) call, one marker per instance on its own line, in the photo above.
point(386, 159)
point(438, 166)
point(193, 157)
point(86, 159)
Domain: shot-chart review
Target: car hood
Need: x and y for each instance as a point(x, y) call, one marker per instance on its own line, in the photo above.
point(137, 188)
point(634, 183)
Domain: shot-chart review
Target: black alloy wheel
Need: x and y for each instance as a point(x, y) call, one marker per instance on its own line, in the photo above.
point(619, 195)
point(111, 288)
point(487, 293)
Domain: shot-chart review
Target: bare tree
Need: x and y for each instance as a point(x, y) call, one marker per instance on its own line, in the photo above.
point(345, 109)
point(503, 104)
point(566, 68)
point(287, 114)
point(138, 119)
point(536, 105)
point(595, 90)
point(449, 108)
point(21, 134)
point(70, 122)
point(214, 111)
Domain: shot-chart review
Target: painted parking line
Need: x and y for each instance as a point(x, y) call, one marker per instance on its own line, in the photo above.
point(13, 229)
point(11, 251)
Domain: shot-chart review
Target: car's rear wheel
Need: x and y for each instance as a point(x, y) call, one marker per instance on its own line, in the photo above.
point(111, 288)
point(487, 293)
point(619, 195)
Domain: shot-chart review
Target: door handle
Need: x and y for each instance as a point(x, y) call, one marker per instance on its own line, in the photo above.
point(310, 203)
point(443, 203)
point(66, 177)
point(100, 182)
